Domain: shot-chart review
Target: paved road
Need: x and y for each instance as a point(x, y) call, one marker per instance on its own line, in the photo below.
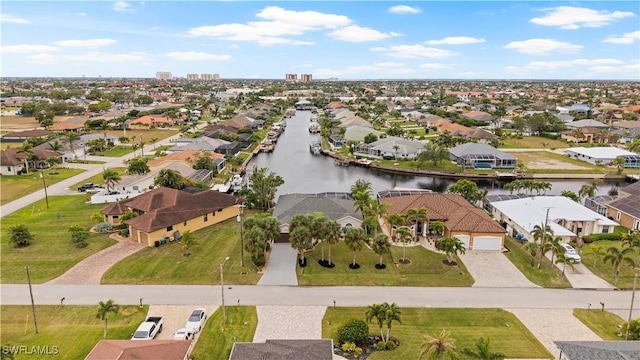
point(281, 269)
point(512, 298)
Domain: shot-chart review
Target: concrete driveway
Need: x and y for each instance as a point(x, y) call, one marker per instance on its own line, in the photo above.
point(174, 317)
point(582, 278)
point(281, 268)
point(289, 322)
point(493, 269)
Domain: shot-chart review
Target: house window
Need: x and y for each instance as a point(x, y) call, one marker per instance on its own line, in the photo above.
point(206, 217)
point(184, 223)
point(637, 225)
point(605, 229)
point(8, 168)
point(115, 217)
point(170, 228)
point(618, 216)
point(213, 213)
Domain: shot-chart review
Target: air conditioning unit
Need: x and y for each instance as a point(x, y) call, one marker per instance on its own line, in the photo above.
point(171, 238)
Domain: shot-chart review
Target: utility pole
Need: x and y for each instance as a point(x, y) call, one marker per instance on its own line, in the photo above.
point(33, 305)
point(44, 185)
point(224, 312)
point(544, 233)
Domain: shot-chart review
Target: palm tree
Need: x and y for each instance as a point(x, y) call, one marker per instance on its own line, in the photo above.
point(360, 185)
point(440, 347)
point(617, 257)
point(362, 201)
point(596, 251)
point(104, 308)
point(578, 134)
point(395, 151)
point(555, 246)
point(70, 138)
point(154, 140)
point(451, 246)
point(300, 238)
point(532, 248)
point(110, 177)
point(588, 190)
point(437, 226)
point(376, 311)
point(55, 146)
point(562, 259)
point(380, 246)
point(27, 151)
point(187, 240)
point(378, 210)
point(334, 232)
point(319, 230)
point(619, 163)
point(354, 239)
point(391, 313)
point(395, 220)
point(483, 351)
point(404, 236)
point(415, 216)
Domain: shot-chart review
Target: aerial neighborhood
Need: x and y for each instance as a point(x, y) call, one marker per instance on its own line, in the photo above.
point(319, 219)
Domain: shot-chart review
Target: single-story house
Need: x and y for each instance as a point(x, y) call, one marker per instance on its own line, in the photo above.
point(626, 209)
point(166, 213)
point(566, 218)
point(110, 139)
point(148, 121)
point(587, 135)
point(132, 349)
point(283, 349)
point(202, 143)
point(477, 116)
point(599, 203)
point(478, 155)
point(335, 206)
point(21, 136)
point(67, 127)
point(597, 155)
point(462, 220)
point(587, 123)
point(358, 133)
point(391, 147)
point(598, 350)
point(12, 161)
point(230, 148)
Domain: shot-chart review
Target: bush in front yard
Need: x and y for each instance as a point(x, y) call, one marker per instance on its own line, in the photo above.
point(602, 236)
point(355, 331)
point(103, 227)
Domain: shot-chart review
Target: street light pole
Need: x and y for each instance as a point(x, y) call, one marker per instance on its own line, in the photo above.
point(44, 184)
point(633, 295)
point(224, 313)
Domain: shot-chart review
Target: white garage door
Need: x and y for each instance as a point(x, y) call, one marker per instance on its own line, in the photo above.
point(487, 243)
point(464, 239)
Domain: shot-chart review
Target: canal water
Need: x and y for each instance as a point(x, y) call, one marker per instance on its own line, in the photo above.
point(304, 172)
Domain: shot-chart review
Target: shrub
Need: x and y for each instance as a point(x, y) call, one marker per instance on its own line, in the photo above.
point(355, 331)
point(602, 236)
point(549, 135)
point(391, 345)
point(103, 227)
point(124, 233)
point(259, 261)
point(381, 345)
point(349, 346)
point(388, 157)
point(20, 235)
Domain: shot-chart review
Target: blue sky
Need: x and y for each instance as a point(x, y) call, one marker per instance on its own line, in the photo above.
point(341, 39)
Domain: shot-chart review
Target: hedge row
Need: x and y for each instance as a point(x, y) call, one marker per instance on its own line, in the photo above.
point(604, 236)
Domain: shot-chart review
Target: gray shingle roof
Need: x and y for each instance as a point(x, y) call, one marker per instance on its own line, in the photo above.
point(599, 350)
point(479, 149)
point(293, 204)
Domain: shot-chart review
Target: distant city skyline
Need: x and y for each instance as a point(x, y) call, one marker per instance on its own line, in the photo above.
point(347, 40)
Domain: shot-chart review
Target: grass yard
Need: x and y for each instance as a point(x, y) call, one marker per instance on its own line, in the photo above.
point(15, 187)
point(73, 330)
point(603, 323)
point(532, 142)
point(97, 179)
point(167, 265)
point(147, 135)
point(116, 151)
point(13, 122)
point(545, 277)
point(606, 271)
point(426, 269)
point(51, 253)
point(214, 344)
point(464, 325)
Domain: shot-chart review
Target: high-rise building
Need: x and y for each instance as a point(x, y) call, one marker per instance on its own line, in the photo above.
point(163, 75)
point(306, 77)
point(210, 77)
point(192, 77)
point(291, 77)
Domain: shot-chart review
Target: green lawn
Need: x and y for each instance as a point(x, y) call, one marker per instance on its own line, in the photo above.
point(116, 151)
point(214, 344)
point(167, 265)
point(533, 142)
point(73, 330)
point(97, 179)
point(52, 252)
point(545, 276)
point(606, 271)
point(15, 187)
point(464, 325)
point(603, 323)
point(426, 269)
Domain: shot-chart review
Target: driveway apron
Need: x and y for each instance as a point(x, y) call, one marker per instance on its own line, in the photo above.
point(493, 269)
point(289, 322)
point(281, 269)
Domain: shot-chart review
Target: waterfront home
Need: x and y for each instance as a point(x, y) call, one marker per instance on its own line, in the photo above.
point(626, 208)
point(149, 121)
point(391, 147)
point(587, 123)
point(477, 155)
point(461, 219)
point(357, 133)
point(566, 218)
point(165, 213)
point(598, 155)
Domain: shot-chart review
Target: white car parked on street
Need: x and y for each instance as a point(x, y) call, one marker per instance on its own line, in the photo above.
point(196, 320)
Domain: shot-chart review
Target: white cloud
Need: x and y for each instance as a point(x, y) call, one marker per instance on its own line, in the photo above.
point(555, 65)
point(414, 51)
point(355, 33)
point(89, 43)
point(434, 66)
point(384, 69)
point(404, 9)
point(81, 14)
point(455, 40)
point(41, 58)
point(102, 57)
point(196, 56)
point(123, 6)
point(276, 27)
point(543, 47)
point(626, 38)
point(12, 19)
point(26, 48)
point(571, 18)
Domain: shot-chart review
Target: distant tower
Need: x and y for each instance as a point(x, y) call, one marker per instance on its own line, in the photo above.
point(306, 77)
point(291, 77)
point(192, 77)
point(163, 75)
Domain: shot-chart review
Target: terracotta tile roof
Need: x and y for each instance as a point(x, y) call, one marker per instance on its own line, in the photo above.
point(151, 120)
point(456, 212)
point(181, 156)
point(135, 350)
point(66, 126)
point(27, 133)
point(163, 207)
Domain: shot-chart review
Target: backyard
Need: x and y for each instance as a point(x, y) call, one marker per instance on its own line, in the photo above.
point(464, 325)
point(15, 187)
point(532, 142)
point(72, 330)
point(52, 252)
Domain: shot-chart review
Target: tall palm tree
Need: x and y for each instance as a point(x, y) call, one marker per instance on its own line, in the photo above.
point(440, 347)
point(360, 185)
point(391, 313)
point(319, 230)
point(300, 238)
point(617, 258)
point(532, 248)
point(395, 220)
point(26, 149)
point(380, 245)
point(404, 236)
point(104, 308)
point(110, 177)
point(564, 260)
point(555, 246)
point(334, 232)
point(55, 146)
point(354, 238)
point(451, 246)
point(415, 216)
point(362, 203)
point(376, 311)
point(483, 350)
point(588, 190)
point(71, 137)
point(378, 210)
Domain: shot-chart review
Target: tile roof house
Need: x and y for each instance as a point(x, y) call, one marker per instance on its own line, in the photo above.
point(134, 350)
point(165, 212)
point(12, 161)
point(476, 229)
point(335, 206)
point(478, 116)
point(626, 208)
point(283, 350)
point(67, 127)
point(148, 121)
point(185, 157)
point(21, 136)
point(477, 155)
